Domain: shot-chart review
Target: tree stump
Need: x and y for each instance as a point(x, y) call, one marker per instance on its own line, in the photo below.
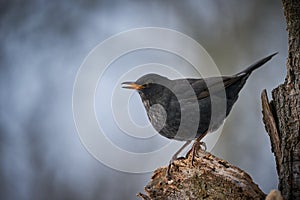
point(209, 178)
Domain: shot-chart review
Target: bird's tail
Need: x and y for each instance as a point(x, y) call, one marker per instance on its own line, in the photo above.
point(256, 65)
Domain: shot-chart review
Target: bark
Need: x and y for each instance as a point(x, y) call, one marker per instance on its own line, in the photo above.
point(282, 115)
point(209, 178)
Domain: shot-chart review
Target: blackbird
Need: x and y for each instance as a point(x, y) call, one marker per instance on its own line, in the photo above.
point(187, 109)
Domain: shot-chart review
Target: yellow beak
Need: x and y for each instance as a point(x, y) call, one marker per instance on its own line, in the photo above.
point(132, 85)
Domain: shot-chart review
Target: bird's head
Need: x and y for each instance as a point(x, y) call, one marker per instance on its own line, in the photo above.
point(146, 82)
point(150, 87)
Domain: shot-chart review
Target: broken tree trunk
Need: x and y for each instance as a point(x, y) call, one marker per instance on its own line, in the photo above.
point(282, 114)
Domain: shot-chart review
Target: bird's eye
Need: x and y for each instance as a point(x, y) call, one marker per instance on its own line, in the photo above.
point(149, 81)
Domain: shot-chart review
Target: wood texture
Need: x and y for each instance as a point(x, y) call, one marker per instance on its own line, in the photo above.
point(209, 178)
point(285, 110)
point(271, 127)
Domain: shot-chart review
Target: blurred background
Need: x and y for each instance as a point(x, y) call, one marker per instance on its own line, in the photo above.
point(43, 44)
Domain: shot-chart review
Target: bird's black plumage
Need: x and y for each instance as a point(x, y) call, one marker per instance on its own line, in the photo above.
point(181, 109)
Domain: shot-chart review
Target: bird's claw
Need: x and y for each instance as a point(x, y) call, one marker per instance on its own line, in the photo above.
point(194, 150)
point(175, 157)
point(168, 174)
point(196, 147)
point(202, 144)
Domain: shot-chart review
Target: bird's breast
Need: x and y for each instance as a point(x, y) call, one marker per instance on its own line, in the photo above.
point(157, 116)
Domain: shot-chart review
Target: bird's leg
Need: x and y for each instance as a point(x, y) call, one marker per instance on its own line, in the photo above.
point(196, 146)
point(175, 157)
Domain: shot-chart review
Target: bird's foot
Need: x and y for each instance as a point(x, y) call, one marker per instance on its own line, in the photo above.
point(195, 149)
point(203, 144)
point(168, 174)
point(175, 157)
point(197, 145)
point(170, 165)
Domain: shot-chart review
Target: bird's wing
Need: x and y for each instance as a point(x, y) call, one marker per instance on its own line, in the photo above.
point(203, 87)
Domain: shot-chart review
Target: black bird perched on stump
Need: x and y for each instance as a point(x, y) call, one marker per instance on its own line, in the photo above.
point(187, 109)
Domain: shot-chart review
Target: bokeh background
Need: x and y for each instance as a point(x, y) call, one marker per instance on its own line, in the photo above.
point(43, 44)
